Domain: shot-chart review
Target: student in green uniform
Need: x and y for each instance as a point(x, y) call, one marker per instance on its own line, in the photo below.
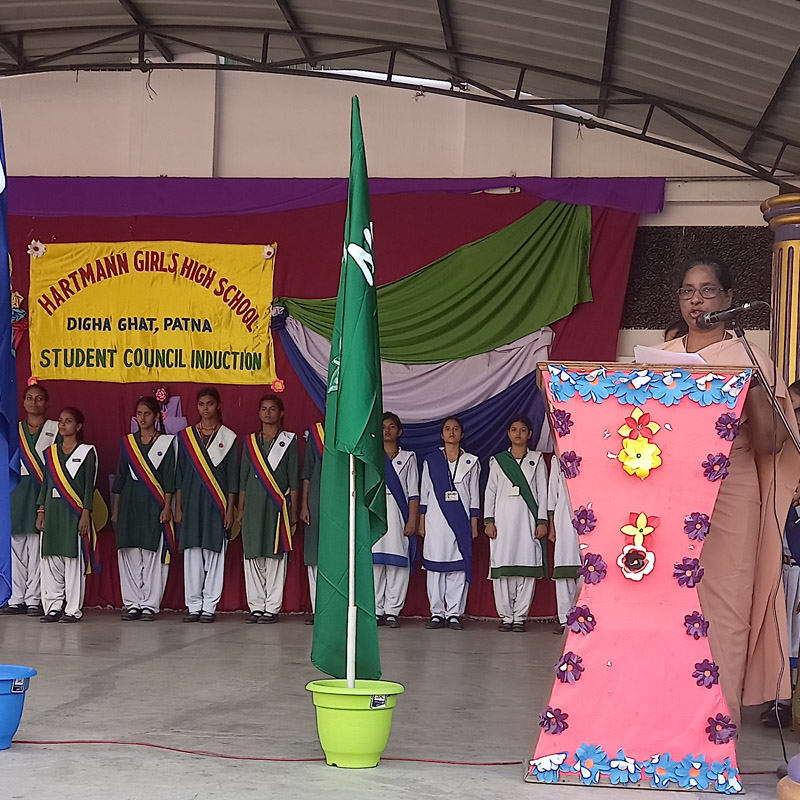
point(143, 489)
point(309, 506)
point(36, 434)
point(65, 517)
point(268, 483)
point(206, 481)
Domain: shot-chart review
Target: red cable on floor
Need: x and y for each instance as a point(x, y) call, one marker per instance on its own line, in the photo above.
point(210, 754)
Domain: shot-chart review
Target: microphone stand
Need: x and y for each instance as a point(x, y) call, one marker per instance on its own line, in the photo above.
point(739, 331)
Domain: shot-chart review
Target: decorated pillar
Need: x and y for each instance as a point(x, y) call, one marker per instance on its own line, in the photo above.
point(782, 212)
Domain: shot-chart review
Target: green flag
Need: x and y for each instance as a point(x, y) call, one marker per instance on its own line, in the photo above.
point(353, 424)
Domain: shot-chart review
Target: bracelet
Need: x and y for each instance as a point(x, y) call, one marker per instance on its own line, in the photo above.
point(40, 510)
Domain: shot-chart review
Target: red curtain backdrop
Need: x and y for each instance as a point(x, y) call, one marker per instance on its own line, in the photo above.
point(410, 232)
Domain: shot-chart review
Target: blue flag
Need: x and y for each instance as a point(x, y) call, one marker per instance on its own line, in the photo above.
point(9, 445)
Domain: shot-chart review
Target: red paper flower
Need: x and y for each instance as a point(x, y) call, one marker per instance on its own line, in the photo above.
point(277, 386)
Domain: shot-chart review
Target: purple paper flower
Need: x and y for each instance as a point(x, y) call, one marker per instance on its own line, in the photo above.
point(570, 463)
point(696, 526)
point(696, 625)
point(688, 572)
point(569, 668)
point(580, 620)
point(706, 673)
point(554, 720)
point(562, 422)
point(584, 520)
point(593, 568)
point(720, 729)
point(716, 467)
point(728, 426)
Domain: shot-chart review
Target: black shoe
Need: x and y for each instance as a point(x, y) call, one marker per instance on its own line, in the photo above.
point(148, 615)
point(34, 611)
point(434, 623)
point(518, 627)
point(505, 627)
point(267, 619)
point(69, 618)
point(132, 614)
point(207, 617)
point(392, 621)
point(381, 620)
point(53, 616)
point(193, 616)
point(454, 623)
point(309, 620)
point(254, 617)
point(11, 611)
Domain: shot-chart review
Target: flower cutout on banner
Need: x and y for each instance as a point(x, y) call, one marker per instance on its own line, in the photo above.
point(562, 384)
point(670, 387)
point(715, 467)
point(596, 385)
point(269, 252)
point(707, 389)
point(661, 771)
point(277, 386)
point(623, 770)
point(694, 772)
point(639, 456)
point(640, 525)
point(36, 249)
point(590, 762)
point(726, 777)
point(553, 721)
point(733, 387)
point(547, 768)
point(593, 569)
point(636, 562)
point(584, 520)
point(562, 422)
point(688, 572)
point(728, 427)
point(720, 729)
point(581, 620)
point(696, 625)
point(696, 526)
point(632, 388)
point(570, 464)
point(569, 668)
point(638, 424)
point(706, 673)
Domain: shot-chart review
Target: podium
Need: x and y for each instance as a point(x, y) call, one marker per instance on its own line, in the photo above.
point(636, 697)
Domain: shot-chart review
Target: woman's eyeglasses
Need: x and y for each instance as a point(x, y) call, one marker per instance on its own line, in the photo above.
point(706, 292)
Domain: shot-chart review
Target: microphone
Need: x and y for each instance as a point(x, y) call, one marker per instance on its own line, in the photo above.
point(713, 317)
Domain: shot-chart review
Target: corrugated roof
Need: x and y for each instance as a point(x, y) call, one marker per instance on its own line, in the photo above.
point(712, 75)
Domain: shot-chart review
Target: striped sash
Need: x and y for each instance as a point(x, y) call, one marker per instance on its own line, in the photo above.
point(140, 466)
point(283, 528)
point(72, 499)
point(317, 439)
point(30, 458)
point(199, 460)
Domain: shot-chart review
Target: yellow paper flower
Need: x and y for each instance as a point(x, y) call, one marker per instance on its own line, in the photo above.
point(638, 424)
point(639, 456)
point(640, 526)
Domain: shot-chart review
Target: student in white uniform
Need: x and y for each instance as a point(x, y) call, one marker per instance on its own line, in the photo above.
point(515, 514)
point(449, 509)
point(567, 554)
point(393, 555)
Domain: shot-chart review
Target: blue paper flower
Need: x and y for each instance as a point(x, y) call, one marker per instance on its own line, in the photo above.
point(733, 387)
point(671, 387)
point(623, 770)
point(562, 422)
point(590, 762)
point(706, 673)
point(694, 772)
point(696, 625)
point(661, 771)
point(720, 729)
point(726, 777)
point(633, 388)
point(596, 385)
point(562, 383)
point(547, 768)
point(707, 389)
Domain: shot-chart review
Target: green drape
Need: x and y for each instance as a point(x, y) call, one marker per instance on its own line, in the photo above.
point(481, 296)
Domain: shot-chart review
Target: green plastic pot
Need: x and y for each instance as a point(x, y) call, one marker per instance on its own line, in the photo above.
point(354, 724)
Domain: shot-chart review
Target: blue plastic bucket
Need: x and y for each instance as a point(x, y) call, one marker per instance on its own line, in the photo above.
point(13, 685)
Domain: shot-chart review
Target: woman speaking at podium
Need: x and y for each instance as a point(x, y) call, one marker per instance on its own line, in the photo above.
point(742, 554)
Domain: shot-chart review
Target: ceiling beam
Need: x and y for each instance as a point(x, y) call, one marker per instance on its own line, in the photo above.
point(294, 26)
point(446, 19)
point(608, 56)
point(791, 71)
point(136, 15)
point(14, 50)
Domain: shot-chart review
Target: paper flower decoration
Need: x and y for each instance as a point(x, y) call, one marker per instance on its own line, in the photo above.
point(570, 464)
point(720, 729)
point(595, 385)
point(277, 386)
point(639, 456)
point(581, 620)
point(569, 668)
point(707, 389)
point(726, 777)
point(728, 427)
point(632, 388)
point(638, 424)
point(640, 526)
point(635, 562)
point(688, 573)
point(670, 387)
point(584, 520)
point(546, 769)
point(36, 249)
point(161, 393)
point(562, 422)
point(706, 673)
point(733, 387)
point(694, 772)
point(553, 721)
point(562, 384)
point(715, 468)
point(623, 770)
point(696, 526)
point(33, 380)
point(661, 771)
point(269, 252)
point(696, 625)
point(590, 761)
point(593, 568)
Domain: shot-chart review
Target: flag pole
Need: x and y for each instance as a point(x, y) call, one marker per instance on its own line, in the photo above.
point(351, 582)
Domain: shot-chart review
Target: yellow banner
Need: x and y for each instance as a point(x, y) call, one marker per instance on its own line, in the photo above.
point(152, 311)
